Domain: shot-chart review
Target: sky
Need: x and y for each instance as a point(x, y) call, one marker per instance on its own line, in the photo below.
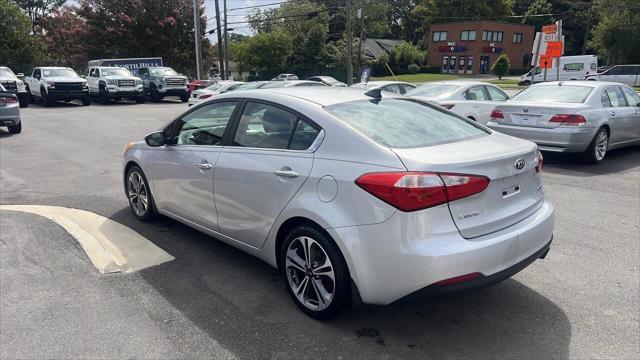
point(233, 15)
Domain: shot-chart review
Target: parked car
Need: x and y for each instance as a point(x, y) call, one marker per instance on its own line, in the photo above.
point(471, 99)
point(57, 83)
point(327, 80)
point(291, 83)
point(580, 116)
point(625, 74)
point(215, 89)
point(252, 85)
point(160, 82)
point(398, 87)
point(14, 84)
point(10, 111)
point(285, 77)
point(108, 82)
point(571, 68)
point(200, 84)
point(352, 197)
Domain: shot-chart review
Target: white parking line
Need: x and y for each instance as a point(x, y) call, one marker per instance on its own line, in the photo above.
point(111, 246)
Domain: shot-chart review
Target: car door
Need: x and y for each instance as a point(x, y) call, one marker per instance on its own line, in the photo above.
point(267, 163)
point(183, 170)
point(633, 110)
point(35, 86)
point(619, 114)
point(476, 99)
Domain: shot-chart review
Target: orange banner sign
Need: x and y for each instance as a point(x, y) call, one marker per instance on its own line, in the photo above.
point(546, 62)
point(550, 29)
point(554, 49)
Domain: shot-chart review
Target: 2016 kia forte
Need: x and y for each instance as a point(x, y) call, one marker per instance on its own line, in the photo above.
point(353, 195)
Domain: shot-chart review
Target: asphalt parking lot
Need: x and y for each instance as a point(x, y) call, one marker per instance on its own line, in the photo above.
point(213, 301)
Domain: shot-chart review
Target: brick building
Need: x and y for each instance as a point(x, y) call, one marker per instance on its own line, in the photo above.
point(472, 47)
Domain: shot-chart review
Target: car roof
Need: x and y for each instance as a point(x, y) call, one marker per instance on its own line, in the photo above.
point(320, 95)
point(458, 82)
point(587, 83)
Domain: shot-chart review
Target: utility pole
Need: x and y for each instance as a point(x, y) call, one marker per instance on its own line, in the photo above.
point(587, 29)
point(196, 33)
point(226, 48)
point(361, 17)
point(349, 46)
point(223, 71)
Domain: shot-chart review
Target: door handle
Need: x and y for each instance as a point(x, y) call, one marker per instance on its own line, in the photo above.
point(286, 173)
point(613, 113)
point(204, 166)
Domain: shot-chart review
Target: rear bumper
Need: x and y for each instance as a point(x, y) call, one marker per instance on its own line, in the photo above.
point(559, 139)
point(411, 251)
point(9, 116)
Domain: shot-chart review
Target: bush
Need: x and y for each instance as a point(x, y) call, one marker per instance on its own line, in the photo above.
point(404, 55)
point(413, 68)
point(501, 66)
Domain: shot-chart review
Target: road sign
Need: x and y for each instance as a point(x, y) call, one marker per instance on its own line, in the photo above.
point(550, 37)
point(554, 49)
point(550, 29)
point(546, 62)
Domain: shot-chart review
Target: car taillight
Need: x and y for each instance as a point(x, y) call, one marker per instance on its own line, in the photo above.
point(447, 106)
point(539, 162)
point(497, 114)
point(411, 191)
point(205, 96)
point(8, 100)
point(569, 119)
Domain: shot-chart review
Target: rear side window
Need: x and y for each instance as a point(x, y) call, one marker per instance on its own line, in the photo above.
point(552, 93)
point(496, 94)
point(392, 88)
point(404, 123)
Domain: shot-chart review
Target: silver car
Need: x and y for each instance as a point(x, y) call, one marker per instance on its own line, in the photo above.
point(586, 117)
point(353, 197)
point(10, 111)
point(291, 83)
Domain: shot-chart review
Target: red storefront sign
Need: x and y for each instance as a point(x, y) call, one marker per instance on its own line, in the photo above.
point(452, 48)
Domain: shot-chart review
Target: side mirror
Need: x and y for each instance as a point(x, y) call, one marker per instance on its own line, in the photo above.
point(20, 76)
point(155, 139)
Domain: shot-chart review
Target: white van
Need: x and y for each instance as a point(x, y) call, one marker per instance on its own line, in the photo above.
point(571, 68)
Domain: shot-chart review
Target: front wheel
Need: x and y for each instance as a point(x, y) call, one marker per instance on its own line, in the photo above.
point(16, 129)
point(86, 101)
point(46, 101)
point(139, 195)
point(315, 273)
point(140, 100)
point(597, 150)
point(184, 98)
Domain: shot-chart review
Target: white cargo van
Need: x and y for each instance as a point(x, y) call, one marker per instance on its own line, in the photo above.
point(571, 68)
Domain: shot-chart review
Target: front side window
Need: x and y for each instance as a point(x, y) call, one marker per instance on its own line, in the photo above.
point(616, 98)
point(632, 97)
point(404, 123)
point(496, 94)
point(439, 36)
point(265, 126)
point(565, 93)
point(205, 125)
point(628, 70)
point(475, 93)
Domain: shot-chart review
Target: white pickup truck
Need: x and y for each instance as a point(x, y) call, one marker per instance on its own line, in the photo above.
point(111, 82)
point(57, 83)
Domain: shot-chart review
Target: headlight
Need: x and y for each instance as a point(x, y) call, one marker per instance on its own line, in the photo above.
point(112, 82)
point(138, 82)
point(20, 85)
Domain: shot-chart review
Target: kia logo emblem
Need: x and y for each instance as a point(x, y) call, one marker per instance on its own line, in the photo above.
point(525, 110)
point(519, 164)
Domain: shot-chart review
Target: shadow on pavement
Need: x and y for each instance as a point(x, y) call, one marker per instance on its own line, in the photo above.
point(241, 302)
point(570, 164)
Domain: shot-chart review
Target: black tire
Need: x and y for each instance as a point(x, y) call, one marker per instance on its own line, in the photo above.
point(104, 97)
point(150, 211)
point(32, 98)
point(594, 154)
point(155, 96)
point(46, 101)
point(184, 98)
point(17, 129)
point(341, 285)
point(86, 101)
point(24, 100)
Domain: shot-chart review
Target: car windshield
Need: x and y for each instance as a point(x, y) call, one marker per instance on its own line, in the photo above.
point(561, 94)
point(116, 72)
point(59, 72)
point(6, 73)
point(435, 91)
point(162, 72)
point(404, 123)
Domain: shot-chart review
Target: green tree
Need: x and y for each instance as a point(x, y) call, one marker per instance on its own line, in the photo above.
point(19, 50)
point(37, 10)
point(404, 55)
point(538, 7)
point(501, 67)
point(267, 52)
point(616, 37)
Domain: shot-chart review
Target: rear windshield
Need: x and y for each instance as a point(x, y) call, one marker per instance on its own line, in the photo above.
point(404, 123)
point(433, 90)
point(562, 94)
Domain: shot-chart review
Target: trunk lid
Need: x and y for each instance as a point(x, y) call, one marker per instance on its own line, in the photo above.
point(534, 114)
point(512, 194)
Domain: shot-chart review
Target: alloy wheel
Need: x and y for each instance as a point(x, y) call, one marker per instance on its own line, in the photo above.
point(138, 195)
point(310, 273)
point(602, 142)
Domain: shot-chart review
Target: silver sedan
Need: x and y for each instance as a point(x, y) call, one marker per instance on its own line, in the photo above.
point(10, 111)
point(575, 116)
point(352, 195)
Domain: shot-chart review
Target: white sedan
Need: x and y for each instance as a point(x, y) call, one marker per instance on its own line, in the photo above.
point(220, 87)
point(471, 99)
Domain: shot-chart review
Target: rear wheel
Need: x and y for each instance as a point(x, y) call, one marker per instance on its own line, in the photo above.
point(597, 150)
point(16, 129)
point(139, 195)
point(315, 273)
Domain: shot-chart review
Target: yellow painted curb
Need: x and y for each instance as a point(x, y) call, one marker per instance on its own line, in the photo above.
point(111, 246)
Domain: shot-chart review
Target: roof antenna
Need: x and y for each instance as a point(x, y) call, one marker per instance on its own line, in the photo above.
point(375, 93)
